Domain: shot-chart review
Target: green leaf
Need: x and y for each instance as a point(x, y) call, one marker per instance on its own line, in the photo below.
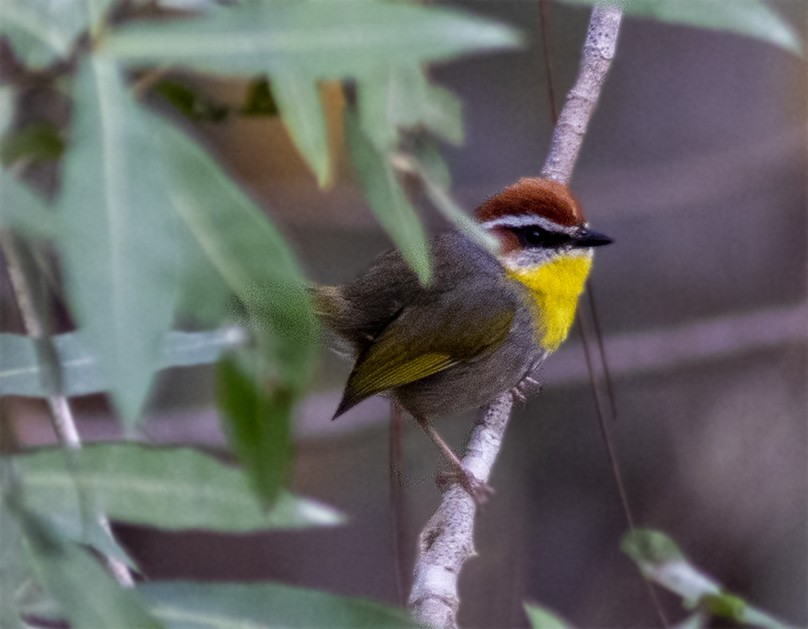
point(260, 101)
point(648, 548)
point(187, 605)
point(694, 621)
point(189, 103)
point(41, 31)
point(387, 198)
point(24, 211)
point(85, 593)
point(118, 242)
point(15, 573)
point(259, 426)
point(315, 39)
point(258, 266)
point(403, 98)
point(36, 142)
point(21, 371)
point(8, 102)
point(44, 31)
point(298, 99)
point(752, 18)
point(661, 561)
point(726, 606)
point(444, 203)
point(247, 252)
point(541, 618)
point(171, 488)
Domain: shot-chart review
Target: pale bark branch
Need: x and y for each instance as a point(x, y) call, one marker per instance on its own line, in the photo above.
point(64, 424)
point(598, 52)
point(447, 540)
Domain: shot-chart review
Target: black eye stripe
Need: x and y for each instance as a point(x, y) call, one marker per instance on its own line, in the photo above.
point(535, 236)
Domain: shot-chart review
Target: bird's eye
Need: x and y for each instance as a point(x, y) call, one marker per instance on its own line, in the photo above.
point(534, 236)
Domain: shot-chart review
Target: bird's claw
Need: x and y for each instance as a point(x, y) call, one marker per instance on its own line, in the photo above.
point(477, 489)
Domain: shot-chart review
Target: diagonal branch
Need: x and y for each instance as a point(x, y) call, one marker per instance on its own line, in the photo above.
point(447, 540)
point(64, 424)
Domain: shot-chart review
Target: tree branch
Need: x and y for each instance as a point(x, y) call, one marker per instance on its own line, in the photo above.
point(64, 425)
point(447, 540)
point(598, 52)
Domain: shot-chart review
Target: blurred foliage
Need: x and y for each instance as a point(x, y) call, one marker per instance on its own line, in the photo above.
point(148, 229)
point(661, 561)
point(183, 605)
point(35, 142)
point(751, 18)
point(22, 371)
point(542, 618)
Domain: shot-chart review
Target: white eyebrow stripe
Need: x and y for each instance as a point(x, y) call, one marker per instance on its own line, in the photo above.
point(528, 221)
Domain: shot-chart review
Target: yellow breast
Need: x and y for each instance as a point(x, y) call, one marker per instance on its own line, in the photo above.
point(555, 287)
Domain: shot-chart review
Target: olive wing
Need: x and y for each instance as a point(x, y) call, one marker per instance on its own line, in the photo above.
point(429, 336)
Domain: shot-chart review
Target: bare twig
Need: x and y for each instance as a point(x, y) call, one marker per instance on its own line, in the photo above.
point(64, 424)
point(447, 541)
point(598, 52)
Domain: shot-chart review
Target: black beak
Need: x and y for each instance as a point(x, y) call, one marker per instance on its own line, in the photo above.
point(586, 238)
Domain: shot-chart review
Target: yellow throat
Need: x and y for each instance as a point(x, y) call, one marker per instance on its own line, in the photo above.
point(555, 287)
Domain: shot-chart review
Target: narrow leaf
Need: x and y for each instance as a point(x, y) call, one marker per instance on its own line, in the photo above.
point(8, 101)
point(36, 142)
point(187, 605)
point(259, 426)
point(403, 98)
point(40, 31)
point(301, 109)
point(15, 573)
point(246, 251)
point(694, 621)
point(24, 211)
point(661, 561)
point(387, 198)
point(315, 39)
point(542, 618)
point(44, 31)
point(257, 265)
point(445, 204)
point(85, 593)
point(752, 18)
point(171, 488)
point(118, 246)
point(21, 370)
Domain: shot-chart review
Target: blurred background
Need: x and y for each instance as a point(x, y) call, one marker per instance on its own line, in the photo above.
point(696, 164)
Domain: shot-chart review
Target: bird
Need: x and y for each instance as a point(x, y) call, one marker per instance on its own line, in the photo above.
point(482, 326)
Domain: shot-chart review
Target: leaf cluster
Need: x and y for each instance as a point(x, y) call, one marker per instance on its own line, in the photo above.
point(149, 230)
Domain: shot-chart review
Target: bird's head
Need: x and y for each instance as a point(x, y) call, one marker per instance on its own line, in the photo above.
point(538, 221)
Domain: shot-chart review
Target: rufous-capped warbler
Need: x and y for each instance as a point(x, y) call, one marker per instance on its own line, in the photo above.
point(483, 324)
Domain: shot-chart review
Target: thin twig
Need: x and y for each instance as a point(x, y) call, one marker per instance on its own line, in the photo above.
point(64, 425)
point(447, 541)
point(598, 52)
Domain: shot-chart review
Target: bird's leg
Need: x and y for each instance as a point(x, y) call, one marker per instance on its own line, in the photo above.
point(476, 488)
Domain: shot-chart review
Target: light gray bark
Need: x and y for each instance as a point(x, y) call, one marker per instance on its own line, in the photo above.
point(447, 540)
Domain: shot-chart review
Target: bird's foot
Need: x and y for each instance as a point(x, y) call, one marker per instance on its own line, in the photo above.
point(527, 385)
point(477, 489)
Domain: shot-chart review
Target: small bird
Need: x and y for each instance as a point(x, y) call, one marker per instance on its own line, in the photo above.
point(482, 326)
